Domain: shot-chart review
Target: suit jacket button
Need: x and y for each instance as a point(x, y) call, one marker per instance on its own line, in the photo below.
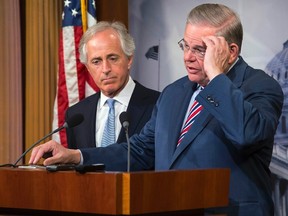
point(209, 98)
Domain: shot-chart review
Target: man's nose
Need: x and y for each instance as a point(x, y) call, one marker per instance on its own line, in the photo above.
point(106, 67)
point(190, 56)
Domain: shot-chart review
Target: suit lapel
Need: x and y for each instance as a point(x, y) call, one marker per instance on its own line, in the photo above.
point(199, 124)
point(90, 113)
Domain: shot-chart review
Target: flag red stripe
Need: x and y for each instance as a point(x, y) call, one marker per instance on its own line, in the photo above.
point(80, 67)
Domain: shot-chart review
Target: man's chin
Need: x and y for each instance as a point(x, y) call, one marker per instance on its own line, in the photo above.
point(197, 79)
point(194, 77)
point(110, 91)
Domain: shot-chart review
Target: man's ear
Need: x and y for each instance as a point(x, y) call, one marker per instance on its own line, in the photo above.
point(234, 51)
point(130, 61)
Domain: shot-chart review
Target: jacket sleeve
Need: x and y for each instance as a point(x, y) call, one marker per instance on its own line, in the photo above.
point(247, 114)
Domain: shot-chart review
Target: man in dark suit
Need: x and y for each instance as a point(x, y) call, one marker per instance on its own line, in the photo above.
point(236, 117)
point(139, 110)
point(107, 51)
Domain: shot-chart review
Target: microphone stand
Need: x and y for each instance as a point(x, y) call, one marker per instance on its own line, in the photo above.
point(128, 149)
point(125, 124)
point(34, 144)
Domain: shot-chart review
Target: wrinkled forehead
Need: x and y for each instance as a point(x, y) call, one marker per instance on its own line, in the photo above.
point(194, 33)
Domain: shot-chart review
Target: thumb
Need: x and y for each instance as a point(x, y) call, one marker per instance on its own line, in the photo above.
point(50, 161)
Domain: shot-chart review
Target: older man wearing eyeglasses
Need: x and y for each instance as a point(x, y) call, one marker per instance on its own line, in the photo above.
point(224, 114)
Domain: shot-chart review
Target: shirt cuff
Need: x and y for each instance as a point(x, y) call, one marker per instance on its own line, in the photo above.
point(81, 158)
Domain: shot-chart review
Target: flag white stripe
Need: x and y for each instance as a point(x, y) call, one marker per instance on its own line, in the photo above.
point(70, 65)
point(55, 123)
point(90, 19)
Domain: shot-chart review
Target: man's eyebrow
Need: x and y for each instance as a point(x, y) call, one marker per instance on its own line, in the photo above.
point(96, 58)
point(112, 55)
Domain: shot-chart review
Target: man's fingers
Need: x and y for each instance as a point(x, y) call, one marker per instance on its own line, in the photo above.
point(39, 151)
point(34, 158)
point(50, 160)
point(33, 155)
point(59, 154)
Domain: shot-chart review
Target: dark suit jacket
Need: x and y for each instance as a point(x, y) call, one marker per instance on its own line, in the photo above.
point(234, 130)
point(139, 110)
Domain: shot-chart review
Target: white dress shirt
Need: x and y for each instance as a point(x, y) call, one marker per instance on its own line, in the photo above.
point(120, 105)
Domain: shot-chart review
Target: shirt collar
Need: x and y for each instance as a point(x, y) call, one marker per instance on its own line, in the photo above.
point(233, 65)
point(123, 97)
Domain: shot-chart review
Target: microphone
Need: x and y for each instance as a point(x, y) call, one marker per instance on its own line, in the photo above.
point(124, 119)
point(70, 123)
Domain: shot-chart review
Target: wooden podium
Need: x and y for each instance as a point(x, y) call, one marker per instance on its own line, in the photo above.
point(112, 193)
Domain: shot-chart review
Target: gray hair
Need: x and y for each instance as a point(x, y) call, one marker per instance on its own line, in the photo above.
point(218, 16)
point(126, 40)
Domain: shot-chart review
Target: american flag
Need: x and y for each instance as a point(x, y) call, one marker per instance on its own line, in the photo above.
point(74, 82)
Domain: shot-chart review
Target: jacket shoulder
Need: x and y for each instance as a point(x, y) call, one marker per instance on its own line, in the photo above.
point(145, 92)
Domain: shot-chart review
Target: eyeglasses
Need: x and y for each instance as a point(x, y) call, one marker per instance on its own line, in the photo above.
point(199, 52)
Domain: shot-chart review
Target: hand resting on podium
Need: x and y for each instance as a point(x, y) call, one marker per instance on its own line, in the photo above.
point(60, 154)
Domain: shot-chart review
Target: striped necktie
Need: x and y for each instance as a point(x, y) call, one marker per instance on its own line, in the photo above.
point(109, 130)
point(194, 111)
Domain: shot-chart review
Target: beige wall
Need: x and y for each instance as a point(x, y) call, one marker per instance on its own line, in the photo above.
point(11, 133)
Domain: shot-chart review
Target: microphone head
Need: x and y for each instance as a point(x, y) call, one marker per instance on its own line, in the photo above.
point(124, 119)
point(74, 121)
